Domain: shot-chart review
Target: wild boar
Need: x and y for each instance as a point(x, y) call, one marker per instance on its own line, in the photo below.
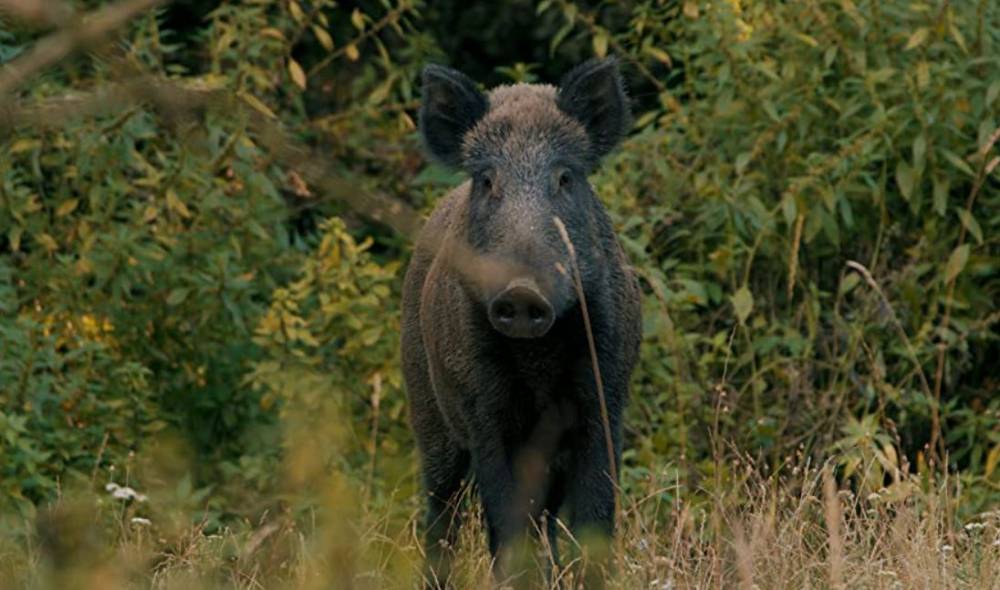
point(498, 370)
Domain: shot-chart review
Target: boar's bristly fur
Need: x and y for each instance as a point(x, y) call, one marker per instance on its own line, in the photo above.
point(495, 356)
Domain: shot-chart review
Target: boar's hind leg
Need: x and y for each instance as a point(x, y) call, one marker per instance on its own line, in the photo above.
point(445, 466)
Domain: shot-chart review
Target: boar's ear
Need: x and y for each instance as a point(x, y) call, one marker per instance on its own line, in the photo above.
point(593, 93)
point(451, 106)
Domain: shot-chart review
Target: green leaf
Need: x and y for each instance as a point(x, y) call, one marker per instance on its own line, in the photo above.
point(942, 186)
point(67, 207)
point(829, 55)
point(658, 54)
point(358, 19)
point(957, 162)
point(559, 36)
point(992, 459)
point(850, 281)
point(788, 208)
point(919, 151)
point(296, 11)
point(297, 73)
point(810, 41)
point(742, 303)
point(916, 39)
point(600, 43)
point(958, 37)
point(971, 224)
point(741, 162)
point(14, 238)
point(992, 92)
point(905, 179)
point(174, 203)
point(177, 296)
point(323, 37)
point(956, 262)
point(771, 111)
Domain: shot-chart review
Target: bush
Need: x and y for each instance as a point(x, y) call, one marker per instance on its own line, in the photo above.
point(814, 215)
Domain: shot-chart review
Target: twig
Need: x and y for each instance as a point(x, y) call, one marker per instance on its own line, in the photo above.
point(793, 254)
point(860, 268)
point(593, 348)
point(376, 383)
point(100, 455)
point(389, 18)
point(54, 48)
point(39, 12)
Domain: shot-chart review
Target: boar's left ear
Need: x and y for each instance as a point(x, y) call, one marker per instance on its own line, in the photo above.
point(593, 93)
point(452, 105)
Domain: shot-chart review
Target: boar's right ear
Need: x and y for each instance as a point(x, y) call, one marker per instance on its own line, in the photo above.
point(451, 106)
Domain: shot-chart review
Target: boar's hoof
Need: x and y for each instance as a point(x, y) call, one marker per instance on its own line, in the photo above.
point(521, 311)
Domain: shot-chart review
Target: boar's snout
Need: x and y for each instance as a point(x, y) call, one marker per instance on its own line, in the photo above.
point(521, 311)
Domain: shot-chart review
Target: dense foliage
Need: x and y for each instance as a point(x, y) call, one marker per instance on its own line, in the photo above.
point(810, 195)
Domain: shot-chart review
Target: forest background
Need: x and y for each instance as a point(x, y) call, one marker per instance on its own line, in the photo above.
point(206, 210)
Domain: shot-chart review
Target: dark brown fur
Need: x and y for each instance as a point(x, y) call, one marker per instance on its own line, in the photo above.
point(521, 414)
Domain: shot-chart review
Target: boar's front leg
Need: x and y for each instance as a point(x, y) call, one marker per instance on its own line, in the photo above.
point(496, 488)
point(445, 467)
point(493, 468)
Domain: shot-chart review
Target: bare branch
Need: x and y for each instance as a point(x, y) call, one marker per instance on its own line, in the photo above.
point(56, 47)
point(43, 13)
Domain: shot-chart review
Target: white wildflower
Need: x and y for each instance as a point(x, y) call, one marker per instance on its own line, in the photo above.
point(975, 526)
point(140, 521)
point(124, 493)
point(946, 548)
point(662, 584)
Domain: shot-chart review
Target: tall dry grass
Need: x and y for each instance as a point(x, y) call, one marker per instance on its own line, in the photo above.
point(793, 530)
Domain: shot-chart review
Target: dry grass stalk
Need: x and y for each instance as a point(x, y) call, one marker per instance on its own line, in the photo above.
point(835, 536)
point(578, 285)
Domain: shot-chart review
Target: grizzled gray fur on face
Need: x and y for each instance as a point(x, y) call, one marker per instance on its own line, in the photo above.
point(495, 356)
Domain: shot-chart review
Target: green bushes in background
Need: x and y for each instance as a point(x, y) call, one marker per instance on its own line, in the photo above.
point(810, 196)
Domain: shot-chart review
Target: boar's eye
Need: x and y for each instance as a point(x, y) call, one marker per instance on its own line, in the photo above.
point(485, 182)
point(565, 179)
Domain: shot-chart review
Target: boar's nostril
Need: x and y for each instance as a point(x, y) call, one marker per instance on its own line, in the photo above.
point(505, 311)
point(521, 311)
